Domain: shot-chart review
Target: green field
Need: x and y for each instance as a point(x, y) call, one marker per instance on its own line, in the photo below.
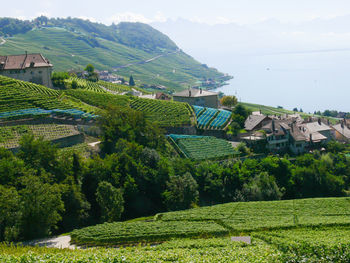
point(202, 147)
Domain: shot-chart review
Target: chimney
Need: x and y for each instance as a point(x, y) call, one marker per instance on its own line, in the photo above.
point(319, 121)
point(189, 93)
point(273, 125)
point(200, 90)
point(310, 137)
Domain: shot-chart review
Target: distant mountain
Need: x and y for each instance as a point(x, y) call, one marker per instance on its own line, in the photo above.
point(129, 48)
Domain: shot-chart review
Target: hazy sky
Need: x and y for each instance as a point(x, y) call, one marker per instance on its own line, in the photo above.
point(207, 11)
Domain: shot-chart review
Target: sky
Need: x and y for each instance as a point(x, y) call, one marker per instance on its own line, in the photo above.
point(204, 11)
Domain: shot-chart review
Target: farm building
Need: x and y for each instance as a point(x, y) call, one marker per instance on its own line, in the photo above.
point(198, 97)
point(27, 67)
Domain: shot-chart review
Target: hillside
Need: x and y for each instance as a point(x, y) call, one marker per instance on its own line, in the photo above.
point(128, 48)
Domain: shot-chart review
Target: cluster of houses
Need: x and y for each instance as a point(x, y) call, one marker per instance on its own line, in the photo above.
point(292, 133)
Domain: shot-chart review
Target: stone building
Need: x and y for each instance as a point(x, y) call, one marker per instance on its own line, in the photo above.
point(198, 97)
point(34, 68)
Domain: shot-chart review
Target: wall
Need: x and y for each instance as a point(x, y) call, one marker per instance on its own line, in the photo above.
point(40, 76)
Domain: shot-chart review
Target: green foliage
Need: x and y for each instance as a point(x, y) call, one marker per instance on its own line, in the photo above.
point(42, 205)
point(58, 79)
point(10, 213)
point(228, 101)
point(110, 200)
point(122, 123)
point(181, 192)
point(90, 69)
point(131, 81)
point(261, 187)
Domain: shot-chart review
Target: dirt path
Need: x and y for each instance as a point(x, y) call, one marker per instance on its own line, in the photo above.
point(54, 242)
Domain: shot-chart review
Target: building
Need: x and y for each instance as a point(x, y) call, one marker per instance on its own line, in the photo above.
point(256, 122)
point(27, 67)
point(342, 132)
point(198, 97)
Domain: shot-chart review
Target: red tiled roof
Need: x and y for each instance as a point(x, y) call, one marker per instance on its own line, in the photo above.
point(23, 61)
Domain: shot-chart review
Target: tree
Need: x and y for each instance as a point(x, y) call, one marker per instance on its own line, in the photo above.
point(42, 207)
point(90, 69)
point(110, 200)
point(228, 101)
point(10, 213)
point(131, 81)
point(295, 109)
point(262, 188)
point(74, 84)
point(181, 193)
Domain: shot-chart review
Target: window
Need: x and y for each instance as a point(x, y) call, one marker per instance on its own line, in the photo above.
point(40, 72)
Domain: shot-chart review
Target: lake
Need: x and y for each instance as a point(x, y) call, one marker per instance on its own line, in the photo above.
point(311, 81)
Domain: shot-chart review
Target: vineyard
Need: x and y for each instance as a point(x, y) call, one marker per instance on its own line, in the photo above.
point(97, 99)
point(164, 113)
point(11, 135)
point(209, 118)
point(183, 250)
point(114, 233)
point(203, 235)
point(19, 95)
point(233, 218)
point(202, 147)
point(101, 86)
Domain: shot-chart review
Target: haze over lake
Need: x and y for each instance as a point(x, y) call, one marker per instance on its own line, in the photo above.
point(304, 65)
point(311, 81)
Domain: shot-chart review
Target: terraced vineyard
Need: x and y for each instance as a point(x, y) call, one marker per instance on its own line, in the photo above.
point(209, 118)
point(87, 85)
point(11, 135)
point(19, 95)
point(164, 113)
point(202, 147)
point(98, 99)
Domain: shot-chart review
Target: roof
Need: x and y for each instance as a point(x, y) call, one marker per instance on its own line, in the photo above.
point(342, 129)
point(194, 93)
point(317, 127)
point(23, 61)
point(252, 121)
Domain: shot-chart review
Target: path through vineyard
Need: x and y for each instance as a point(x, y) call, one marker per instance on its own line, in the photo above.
point(53, 242)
